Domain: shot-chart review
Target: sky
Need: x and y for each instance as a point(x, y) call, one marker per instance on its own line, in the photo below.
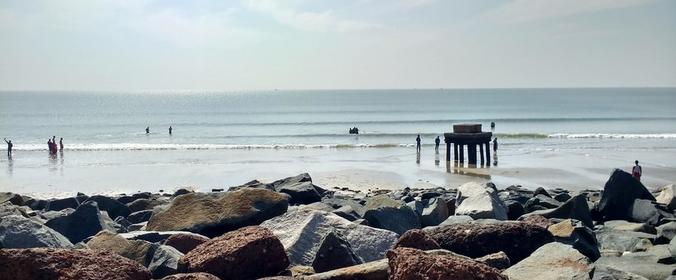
point(130, 45)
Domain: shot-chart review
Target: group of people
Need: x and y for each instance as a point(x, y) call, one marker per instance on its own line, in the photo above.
point(354, 130)
point(53, 148)
point(148, 130)
point(437, 141)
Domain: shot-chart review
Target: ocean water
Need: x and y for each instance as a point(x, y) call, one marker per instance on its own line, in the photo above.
point(107, 129)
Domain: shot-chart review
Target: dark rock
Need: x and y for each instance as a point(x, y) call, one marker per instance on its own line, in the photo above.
point(514, 209)
point(163, 261)
point(126, 199)
point(140, 216)
point(333, 253)
point(375, 270)
point(575, 208)
point(191, 276)
point(619, 194)
point(537, 220)
point(434, 212)
point(229, 210)
point(417, 239)
point(498, 260)
point(562, 197)
point(552, 261)
point(408, 263)
point(541, 191)
point(247, 253)
point(184, 242)
point(181, 192)
point(347, 212)
point(301, 192)
point(12, 198)
point(62, 203)
point(86, 221)
point(429, 195)
point(123, 223)
point(540, 202)
point(21, 232)
point(516, 239)
point(41, 263)
point(574, 233)
point(387, 213)
point(113, 207)
point(300, 178)
point(37, 204)
point(144, 204)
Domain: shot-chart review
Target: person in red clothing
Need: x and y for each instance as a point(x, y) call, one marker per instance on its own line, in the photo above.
point(637, 171)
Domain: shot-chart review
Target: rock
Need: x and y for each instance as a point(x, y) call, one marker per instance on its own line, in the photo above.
point(622, 241)
point(136, 250)
point(434, 212)
point(301, 193)
point(140, 216)
point(537, 220)
point(181, 192)
point(144, 204)
point(480, 202)
point(516, 239)
point(514, 209)
point(541, 191)
point(667, 196)
point(301, 233)
point(216, 213)
point(62, 203)
point(417, 239)
point(21, 232)
point(43, 263)
point(620, 225)
point(462, 219)
point(575, 208)
point(408, 263)
point(540, 202)
point(375, 270)
point(164, 261)
point(12, 198)
point(642, 263)
point(151, 236)
point(602, 272)
point(333, 253)
point(552, 261)
point(86, 221)
point(347, 212)
point(666, 232)
point(619, 194)
point(562, 197)
point(184, 242)
point(574, 233)
point(113, 207)
point(247, 253)
point(386, 213)
point(672, 248)
point(191, 276)
point(498, 260)
point(644, 211)
point(300, 178)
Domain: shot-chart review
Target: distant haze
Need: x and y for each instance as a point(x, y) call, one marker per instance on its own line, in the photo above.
point(121, 45)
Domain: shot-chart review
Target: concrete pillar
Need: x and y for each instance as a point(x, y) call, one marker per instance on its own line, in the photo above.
point(481, 153)
point(462, 153)
point(488, 153)
point(455, 152)
point(471, 154)
point(448, 151)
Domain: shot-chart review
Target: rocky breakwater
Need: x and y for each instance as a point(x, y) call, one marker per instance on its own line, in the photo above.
point(294, 229)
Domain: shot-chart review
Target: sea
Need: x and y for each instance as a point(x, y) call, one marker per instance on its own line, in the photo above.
point(547, 137)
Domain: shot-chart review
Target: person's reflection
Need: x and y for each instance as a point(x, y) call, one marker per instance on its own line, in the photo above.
point(10, 165)
point(61, 161)
point(52, 162)
point(495, 159)
point(417, 157)
point(436, 158)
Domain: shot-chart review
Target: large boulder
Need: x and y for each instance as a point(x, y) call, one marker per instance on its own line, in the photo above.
point(417, 239)
point(621, 241)
point(666, 232)
point(140, 216)
point(575, 208)
point(375, 270)
point(20, 232)
point(12, 198)
point(603, 272)
point(112, 206)
point(62, 203)
point(517, 239)
point(619, 194)
point(552, 261)
point(145, 204)
point(247, 253)
point(384, 212)
point(136, 250)
point(214, 214)
point(163, 261)
point(574, 233)
point(667, 196)
point(620, 225)
point(86, 221)
point(434, 212)
point(480, 202)
point(541, 202)
point(43, 263)
point(300, 193)
point(645, 211)
point(333, 253)
point(184, 242)
point(409, 263)
point(650, 264)
point(301, 232)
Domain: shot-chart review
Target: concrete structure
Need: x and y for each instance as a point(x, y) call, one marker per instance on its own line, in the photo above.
point(469, 135)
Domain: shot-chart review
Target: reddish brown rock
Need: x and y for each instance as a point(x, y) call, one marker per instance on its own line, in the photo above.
point(417, 239)
point(65, 264)
point(414, 264)
point(191, 276)
point(184, 242)
point(537, 220)
point(247, 253)
point(517, 239)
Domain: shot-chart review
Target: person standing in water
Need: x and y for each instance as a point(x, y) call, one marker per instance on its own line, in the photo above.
point(50, 146)
point(61, 144)
point(147, 130)
point(170, 129)
point(9, 147)
point(495, 144)
point(637, 171)
point(492, 125)
point(417, 143)
point(436, 144)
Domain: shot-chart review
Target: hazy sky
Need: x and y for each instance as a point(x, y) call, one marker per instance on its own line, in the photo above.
point(296, 44)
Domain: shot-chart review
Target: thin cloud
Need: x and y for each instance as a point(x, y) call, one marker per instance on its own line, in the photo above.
point(521, 11)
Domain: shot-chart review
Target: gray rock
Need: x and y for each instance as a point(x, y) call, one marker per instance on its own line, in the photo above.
point(498, 260)
point(62, 203)
point(644, 211)
point(641, 263)
point(622, 241)
point(552, 261)
point(301, 232)
point(48, 215)
point(575, 208)
point(140, 216)
point(480, 202)
point(621, 225)
point(113, 207)
point(151, 236)
point(562, 197)
point(375, 270)
point(434, 212)
point(12, 198)
point(574, 233)
point(666, 232)
point(667, 196)
point(301, 192)
point(462, 219)
point(86, 221)
point(603, 272)
point(386, 213)
point(540, 202)
point(619, 194)
point(21, 232)
point(164, 261)
point(333, 253)
point(347, 212)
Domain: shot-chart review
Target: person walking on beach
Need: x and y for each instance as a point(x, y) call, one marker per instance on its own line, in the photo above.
point(170, 129)
point(636, 171)
point(436, 144)
point(147, 130)
point(61, 144)
point(417, 143)
point(9, 147)
point(495, 144)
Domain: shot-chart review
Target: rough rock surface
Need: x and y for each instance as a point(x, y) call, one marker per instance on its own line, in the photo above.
point(386, 213)
point(642, 263)
point(376, 270)
point(247, 253)
point(192, 276)
point(433, 211)
point(602, 272)
point(333, 253)
point(498, 260)
point(86, 221)
point(184, 242)
point(517, 239)
point(408, 263)
point(42, 263)
point(214, 214)
point(667, 196)
point(538, 220)
point(164, 260)
point(136, 250)
point(480, 202)
point(300, 192)
point(552, 261)
point(113, 207)
point(619, 194)
point(62, 203)
point(301, 232)
point(621, 241)
point(574, 233)
point(20, 232)
point(575, 208)
point(417, 239)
